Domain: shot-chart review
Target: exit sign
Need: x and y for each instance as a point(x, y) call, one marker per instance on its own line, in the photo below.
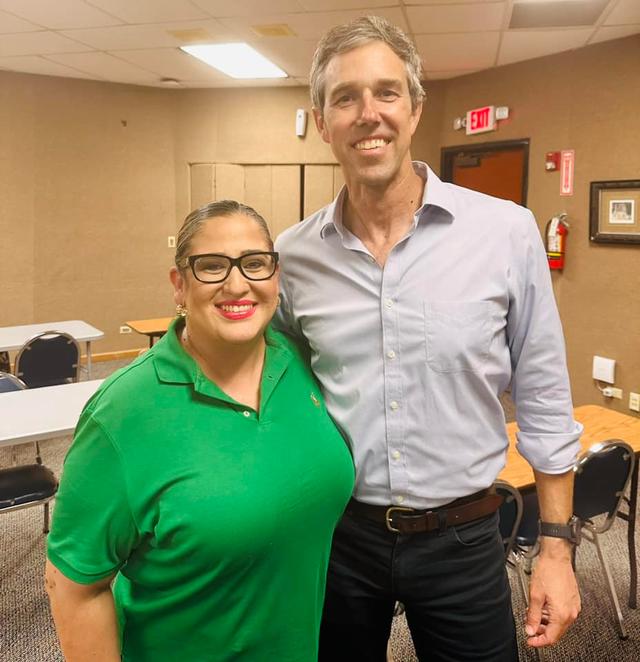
point(480, 120)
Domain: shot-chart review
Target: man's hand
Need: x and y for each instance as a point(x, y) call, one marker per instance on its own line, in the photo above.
point(554, 600)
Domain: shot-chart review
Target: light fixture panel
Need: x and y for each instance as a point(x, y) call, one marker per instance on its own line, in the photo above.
point(235, 60)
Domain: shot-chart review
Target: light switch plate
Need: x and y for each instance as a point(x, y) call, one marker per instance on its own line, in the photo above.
point(604, 369)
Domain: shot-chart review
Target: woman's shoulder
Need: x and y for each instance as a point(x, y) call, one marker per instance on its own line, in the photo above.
point(126, 383)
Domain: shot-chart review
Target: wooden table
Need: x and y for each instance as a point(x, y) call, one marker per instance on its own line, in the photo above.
point(14, 337)
point(154, 328)
point(43, 413)
point(600, 424)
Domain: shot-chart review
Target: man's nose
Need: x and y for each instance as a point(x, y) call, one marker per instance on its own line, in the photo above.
point(368, 110)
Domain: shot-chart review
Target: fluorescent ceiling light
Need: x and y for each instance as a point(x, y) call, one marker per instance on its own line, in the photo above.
point(235, 60)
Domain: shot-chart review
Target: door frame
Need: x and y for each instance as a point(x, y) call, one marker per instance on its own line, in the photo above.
point(447, 155)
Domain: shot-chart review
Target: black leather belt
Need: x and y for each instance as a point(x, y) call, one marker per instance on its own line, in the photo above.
point(399, 519)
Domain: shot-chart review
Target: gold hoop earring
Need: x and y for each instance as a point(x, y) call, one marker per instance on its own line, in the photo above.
point(181, 311)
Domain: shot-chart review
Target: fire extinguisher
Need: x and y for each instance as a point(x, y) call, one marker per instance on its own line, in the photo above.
point(556, 234)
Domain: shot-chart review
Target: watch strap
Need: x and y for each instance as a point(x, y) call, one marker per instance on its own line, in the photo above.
point(569, 531)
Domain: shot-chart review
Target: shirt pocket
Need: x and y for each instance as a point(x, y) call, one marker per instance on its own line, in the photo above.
point(457, 334)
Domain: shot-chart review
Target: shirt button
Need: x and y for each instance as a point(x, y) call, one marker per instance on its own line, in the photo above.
point(395, 455)
point(394, 405)
point(399, 499)
point(388, 303)
point(391, 354)
point(246, 414)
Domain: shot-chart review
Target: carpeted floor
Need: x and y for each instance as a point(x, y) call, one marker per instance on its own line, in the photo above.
point(27, 633)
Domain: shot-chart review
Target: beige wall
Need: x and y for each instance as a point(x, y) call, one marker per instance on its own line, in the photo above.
point(86, 203)
point(585, 100)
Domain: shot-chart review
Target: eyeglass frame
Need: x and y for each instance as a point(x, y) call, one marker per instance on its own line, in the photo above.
point(233, 262)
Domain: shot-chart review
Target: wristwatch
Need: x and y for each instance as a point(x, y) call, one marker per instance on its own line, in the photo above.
point(569, 531)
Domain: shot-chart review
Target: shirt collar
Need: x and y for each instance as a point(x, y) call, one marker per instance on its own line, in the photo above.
point(436, 194)
point(175, 366)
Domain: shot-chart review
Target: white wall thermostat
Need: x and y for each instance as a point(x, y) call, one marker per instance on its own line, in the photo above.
point(301, 122)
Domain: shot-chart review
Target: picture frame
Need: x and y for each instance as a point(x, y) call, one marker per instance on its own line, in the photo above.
point(614, 212)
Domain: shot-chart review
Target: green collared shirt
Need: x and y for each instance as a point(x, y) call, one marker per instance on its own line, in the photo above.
point(216, 518)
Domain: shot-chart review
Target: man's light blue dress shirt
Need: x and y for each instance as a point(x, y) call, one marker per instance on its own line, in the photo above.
point(413, 357)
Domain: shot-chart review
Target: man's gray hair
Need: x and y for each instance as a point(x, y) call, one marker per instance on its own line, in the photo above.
point(197, 218)
point(359, 32)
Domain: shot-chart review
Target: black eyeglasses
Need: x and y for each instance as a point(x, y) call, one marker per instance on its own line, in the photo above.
point(214, 268)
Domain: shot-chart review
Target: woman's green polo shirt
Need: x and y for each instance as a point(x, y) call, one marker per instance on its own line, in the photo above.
point(217, 518)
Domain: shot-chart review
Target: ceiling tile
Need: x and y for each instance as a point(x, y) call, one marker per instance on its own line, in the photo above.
point(626, 11)
point(171, 63)
point(34, 64)
point(328, 5)
point(59, 14)
point(144, 36)
point(292, 54)
point(37, 43)
point(614, 32)
point(226, 9)
point(442, 52)
point(105, 66)
point(10, 24)
point(151, 11)
point(518, 45)
point(309, 26)
point(456, 18)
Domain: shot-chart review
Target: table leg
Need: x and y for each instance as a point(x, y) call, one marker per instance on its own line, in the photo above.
point(631, 539)
point(88, 359)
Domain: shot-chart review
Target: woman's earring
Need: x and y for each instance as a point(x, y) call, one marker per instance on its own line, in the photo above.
point(181, 310)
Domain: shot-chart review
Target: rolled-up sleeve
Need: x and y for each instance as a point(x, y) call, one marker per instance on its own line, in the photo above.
point(548, 437)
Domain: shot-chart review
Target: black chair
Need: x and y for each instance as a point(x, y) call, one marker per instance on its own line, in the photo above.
point(602, 475)
point(26, 485)
point(509, 513)
point(48, 359)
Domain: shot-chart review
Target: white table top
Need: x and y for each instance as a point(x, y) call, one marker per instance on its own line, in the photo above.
point(43, 413)
point(13, 337)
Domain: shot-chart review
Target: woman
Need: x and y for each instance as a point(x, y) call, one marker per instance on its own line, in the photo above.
point(206, 477)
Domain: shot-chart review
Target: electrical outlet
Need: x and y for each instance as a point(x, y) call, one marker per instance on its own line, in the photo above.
point(611, 392)
point(125, 329)
point(634, 401)
point(171, 241)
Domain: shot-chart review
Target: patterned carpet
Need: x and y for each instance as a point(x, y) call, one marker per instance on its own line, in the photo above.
point(27, 634)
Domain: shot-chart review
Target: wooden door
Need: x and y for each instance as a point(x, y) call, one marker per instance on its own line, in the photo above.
point(498, 169)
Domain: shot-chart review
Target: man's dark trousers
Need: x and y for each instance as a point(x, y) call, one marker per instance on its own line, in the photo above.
point(453, 585)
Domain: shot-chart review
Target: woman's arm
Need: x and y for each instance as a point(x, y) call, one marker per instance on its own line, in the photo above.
point(85, 617)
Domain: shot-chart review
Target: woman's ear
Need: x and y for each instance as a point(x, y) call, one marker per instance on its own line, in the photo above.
point(178, 282)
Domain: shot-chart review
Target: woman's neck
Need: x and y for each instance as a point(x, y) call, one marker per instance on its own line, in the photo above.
point(235, 368)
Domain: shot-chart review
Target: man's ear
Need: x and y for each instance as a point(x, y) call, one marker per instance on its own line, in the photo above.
point(320, 124)
point(415, 117)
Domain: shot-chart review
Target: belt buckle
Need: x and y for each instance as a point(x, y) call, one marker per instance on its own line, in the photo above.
point(388, 517)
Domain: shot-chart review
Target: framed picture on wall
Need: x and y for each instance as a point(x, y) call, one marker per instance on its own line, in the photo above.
point(614, 215)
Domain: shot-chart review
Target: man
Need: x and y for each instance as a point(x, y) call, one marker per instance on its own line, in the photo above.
point(421, 302)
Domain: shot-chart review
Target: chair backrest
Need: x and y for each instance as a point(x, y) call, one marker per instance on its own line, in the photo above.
point(9, 382)
point(510, 513)
point(47, 359)
point(601, 478)
point(528, 530)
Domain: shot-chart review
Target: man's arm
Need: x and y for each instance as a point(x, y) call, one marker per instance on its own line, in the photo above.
point(85, 617)
point(554, 600)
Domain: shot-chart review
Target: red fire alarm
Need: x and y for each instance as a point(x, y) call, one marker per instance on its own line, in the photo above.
point(551, 161)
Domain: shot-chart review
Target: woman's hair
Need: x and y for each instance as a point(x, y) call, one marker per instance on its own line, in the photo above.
point(196, 219)
point(359, 32)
